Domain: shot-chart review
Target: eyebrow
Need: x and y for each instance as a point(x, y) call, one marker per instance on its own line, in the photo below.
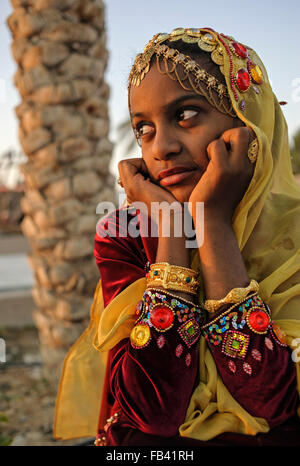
point(173, 103)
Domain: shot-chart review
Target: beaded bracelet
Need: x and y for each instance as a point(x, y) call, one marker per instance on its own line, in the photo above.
point(160, 311)
point(172, 277)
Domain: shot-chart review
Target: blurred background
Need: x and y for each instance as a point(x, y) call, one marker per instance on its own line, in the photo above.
point(63, 128)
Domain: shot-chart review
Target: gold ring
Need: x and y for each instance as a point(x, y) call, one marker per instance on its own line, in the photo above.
point(119, 181)
point(253, 150)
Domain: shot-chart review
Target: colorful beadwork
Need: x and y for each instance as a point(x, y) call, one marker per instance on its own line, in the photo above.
point(258, 321)
point(185, 312)
point(235, 344)
point(269, 343)
point(157, 313)
point(162, 317)
point(188, 359)
point(189, 331)
point(256, 355)
point(161, 341)
point(247, 368)
point(140, 336)
point(278, 334)
point(232, 366)
point(237, 325)
point(179, 350)
point(182, 311)
point(237, 318)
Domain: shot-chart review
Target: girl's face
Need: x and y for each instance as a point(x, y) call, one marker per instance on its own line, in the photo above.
point(174, 127)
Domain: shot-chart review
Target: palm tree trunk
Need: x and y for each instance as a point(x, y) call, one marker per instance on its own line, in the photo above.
point(60, 50)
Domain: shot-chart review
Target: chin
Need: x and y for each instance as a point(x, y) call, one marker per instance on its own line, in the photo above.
point(182, 193)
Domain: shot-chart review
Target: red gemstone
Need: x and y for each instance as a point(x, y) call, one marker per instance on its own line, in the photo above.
point(259, 320)
point(240, 50)
point(161, 317)
point(243, 79)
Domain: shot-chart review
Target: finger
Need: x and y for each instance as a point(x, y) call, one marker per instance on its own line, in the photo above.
point(217, 153)
point(237, 141)
point(236, 137)
point(130, 168)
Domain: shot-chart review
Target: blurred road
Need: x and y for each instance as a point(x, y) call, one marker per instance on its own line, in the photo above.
point(16, 280)
point(15, 273)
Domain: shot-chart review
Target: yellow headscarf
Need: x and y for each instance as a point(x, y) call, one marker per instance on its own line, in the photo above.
point(267, 226)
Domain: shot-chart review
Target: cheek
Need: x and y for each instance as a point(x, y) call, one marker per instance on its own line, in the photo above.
point(149, 164)
point(198, 153)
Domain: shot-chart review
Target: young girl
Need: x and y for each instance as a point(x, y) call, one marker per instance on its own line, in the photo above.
point(188, 334)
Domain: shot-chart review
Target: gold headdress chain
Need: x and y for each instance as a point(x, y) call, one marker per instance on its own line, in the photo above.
point(190, 76)
point(245, 74)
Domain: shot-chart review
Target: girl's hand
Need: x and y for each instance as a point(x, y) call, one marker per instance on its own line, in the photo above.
point(227, 176)
point(138, 186)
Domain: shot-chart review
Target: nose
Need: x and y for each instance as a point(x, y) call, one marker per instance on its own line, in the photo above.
point(166, 142)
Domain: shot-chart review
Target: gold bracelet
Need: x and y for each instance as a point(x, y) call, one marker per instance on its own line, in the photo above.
point(234, 296)
point(172, 277)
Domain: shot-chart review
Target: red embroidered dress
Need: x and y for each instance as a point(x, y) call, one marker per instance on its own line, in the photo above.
point(148, 389)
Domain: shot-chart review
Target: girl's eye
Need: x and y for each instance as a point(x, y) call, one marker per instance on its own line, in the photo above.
point(185, 114)
point(142, 129)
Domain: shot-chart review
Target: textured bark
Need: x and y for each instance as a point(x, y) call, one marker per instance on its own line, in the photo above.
point(60, 50)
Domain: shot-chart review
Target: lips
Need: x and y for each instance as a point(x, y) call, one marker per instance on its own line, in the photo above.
point(174, 175)
point(173, 171)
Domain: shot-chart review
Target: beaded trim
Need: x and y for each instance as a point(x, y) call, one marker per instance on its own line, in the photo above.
point(167, 293)
point(227, 311)
point(188, 315)
point(237, 316)
point(182, 308)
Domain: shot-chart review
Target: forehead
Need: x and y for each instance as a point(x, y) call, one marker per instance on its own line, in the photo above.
point(156, 91)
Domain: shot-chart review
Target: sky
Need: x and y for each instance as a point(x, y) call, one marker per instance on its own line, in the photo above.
point(271, 27)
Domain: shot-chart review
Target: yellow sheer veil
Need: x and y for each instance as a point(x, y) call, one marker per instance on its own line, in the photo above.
point(267, 225)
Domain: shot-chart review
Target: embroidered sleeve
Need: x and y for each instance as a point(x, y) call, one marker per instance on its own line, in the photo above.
point(153, 373)
point(253, 359)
